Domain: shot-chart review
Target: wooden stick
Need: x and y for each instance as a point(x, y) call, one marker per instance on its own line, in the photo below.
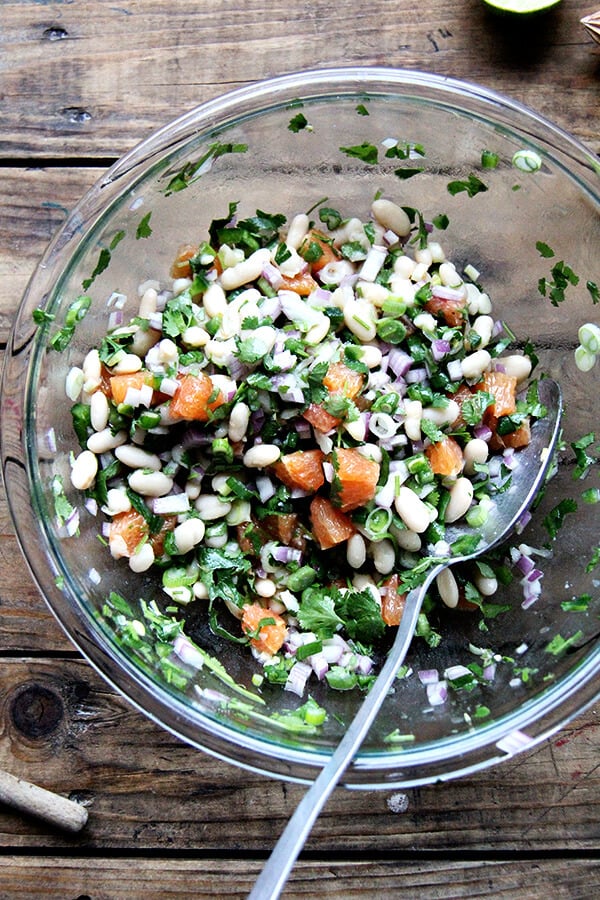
point(37, 801)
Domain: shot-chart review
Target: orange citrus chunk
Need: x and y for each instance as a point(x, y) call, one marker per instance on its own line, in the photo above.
point(328, 253)
point(120, 384)
point(503, 388)
point(302, 469)
point(128, 529)
point(320, 419)
point(302, 284)
point(267, 629)
point(356, 478)
point(392, 601)
point(341, 379)
point(330, 525)
point(445, 457)
point(195, 398)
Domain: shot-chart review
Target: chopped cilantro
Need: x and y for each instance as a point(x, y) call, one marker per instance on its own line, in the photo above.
point(366, 152)
point(298, 123)
point(554, 520)
point(472, 185)
point(144, 229)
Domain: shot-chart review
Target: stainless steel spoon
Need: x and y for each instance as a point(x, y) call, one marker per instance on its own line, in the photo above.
point(527, 478)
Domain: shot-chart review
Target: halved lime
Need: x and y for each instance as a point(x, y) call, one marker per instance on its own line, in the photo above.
point(521, 7)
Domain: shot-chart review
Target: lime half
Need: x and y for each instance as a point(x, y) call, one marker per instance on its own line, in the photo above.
point(521, 7)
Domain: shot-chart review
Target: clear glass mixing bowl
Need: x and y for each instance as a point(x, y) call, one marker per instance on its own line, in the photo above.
point(289, 169)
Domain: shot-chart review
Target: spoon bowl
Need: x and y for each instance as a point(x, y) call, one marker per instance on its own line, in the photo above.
point(527, 480)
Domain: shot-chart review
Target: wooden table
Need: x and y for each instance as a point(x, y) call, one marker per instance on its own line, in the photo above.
point(82, 81)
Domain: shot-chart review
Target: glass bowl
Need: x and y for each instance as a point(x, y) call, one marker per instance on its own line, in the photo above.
point(275, 146)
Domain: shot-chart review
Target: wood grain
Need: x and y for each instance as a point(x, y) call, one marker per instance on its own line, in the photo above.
point(336, 880)
point(147, 790)
point(72, 69)
point(83, 81)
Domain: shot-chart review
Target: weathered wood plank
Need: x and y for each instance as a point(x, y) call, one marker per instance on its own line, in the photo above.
point(89, 78)
point(63, 728)
point(153, 879)
point(35, 203)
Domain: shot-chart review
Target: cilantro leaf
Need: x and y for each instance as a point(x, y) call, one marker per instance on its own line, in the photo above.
point(317, 613)
point(144, 229)
point(366, 152)
point(471, 185)
point(362, 616)
point(297, 123)
point(554, 521)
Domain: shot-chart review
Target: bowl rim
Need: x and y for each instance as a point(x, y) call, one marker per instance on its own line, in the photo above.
point(541, 716)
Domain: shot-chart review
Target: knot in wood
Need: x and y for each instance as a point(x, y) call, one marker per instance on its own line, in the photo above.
point(36, 711)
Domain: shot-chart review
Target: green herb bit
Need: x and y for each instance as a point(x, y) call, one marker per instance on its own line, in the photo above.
point(75, 313)
point(544, 250)
point(405, 172)
point(362, 110)
point(298, 123)
point(555, 519)
point(562, 276)
point(144, 229)
point(577, 604)
point(472, 186)
point(489, 159)
point(191, 171)
point(63, 509)
point(559, 645)
point(582, 458)
point(366, 152)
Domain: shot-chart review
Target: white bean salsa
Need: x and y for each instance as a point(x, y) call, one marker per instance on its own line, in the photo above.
point(283, 431)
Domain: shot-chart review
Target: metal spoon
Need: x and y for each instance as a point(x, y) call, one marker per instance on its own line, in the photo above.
point(526, 481)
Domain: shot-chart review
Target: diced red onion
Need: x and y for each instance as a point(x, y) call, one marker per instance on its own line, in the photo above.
point(525, 564)
point(428, 676)
point(319, 665)
point(272, 275)
point(265, 488)
point(51, 440)
point(187, 653)
point(416, 376)
point(115, 319)
point(399, 361)
point(171, 505)
point(454, 369)
point(437, 693)
point(332, 652)
point(91, 504)
point(440, 348)
point(72, 523)
point(372, 265)
point(287, 555)
point(285, 360)
point(297, 678)
point(483, 432)
point(168, 386)
point(364, 664)
point(456, 671)
point(270, 307)
point(489, 672)
point(523, 520)
point(155, 321)
point(328, 471)
point(390, 237)
point(442, 292)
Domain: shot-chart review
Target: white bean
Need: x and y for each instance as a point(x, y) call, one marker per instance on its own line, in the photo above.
point(359, 318)
point(137, 458)
point(384, 556)
point(148, 303)
point(142, 559)
point(244, 272)
point(74, 383)
point(84, 470)
point(449, 276)
point(238, 422)
point(356, 551)
point(442, 415)
point(117, 502)
point(370, 355)
point(92, 371)
point(414, 513)
point(167, 351)
point(516, 365)
point(150, 484)
point(448, 588)
point(102, 441)
point(99, 411)
point(375, 293)
point(264, 587)
point(461, 496)
point(475, 364)
point(214, 300)
point(211, 507)
point(335, 271)
point(188, 534)
point(486, 584)
point(128, 363)
point(404, 266)
point(413, 411)
point(261, 455)
point(317, 332)
point(475, 452)
point(407, 540)
point(195, 336)
point(482, 326)
point(391, 216)
point(297, 230)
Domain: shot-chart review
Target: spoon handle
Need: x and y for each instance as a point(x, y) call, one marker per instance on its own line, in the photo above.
point(277, 868)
